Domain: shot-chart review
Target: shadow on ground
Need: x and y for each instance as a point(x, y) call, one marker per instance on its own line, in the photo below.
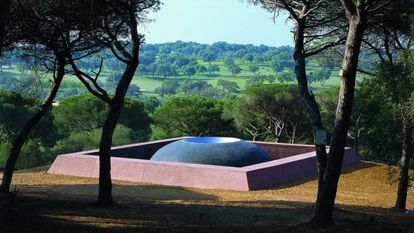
point(203, 213)
point(50, 207)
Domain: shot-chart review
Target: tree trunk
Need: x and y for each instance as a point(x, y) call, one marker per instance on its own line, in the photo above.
point(28, 127)
point(105, 183)
point(355, 145)
point(325, 206)
point(309, 101)
point(404, 164)
point(358, 130)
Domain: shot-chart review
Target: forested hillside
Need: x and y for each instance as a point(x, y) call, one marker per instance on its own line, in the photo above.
point(238, 80)
point(181, 67)
point(78, 75)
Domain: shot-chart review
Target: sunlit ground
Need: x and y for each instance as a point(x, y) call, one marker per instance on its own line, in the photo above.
point(56, 203)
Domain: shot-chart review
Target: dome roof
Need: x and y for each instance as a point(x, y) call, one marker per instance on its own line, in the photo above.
point(214, 151)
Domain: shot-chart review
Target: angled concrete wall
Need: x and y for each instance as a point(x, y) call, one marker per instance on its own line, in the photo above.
point(287, 166)
point(155, 172)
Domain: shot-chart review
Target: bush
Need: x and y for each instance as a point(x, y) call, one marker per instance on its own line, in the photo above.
point(192, 115)
point(87, 141)
point(31, 155)
point(84, 114)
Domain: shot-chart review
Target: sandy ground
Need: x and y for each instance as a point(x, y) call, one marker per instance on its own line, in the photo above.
point(54, 203)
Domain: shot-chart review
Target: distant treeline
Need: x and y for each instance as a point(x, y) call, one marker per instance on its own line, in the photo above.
point(189, 58)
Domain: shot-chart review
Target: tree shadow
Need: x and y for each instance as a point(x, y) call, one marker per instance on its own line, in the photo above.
point(359, 166)
point(156, 208)
point(34, 214)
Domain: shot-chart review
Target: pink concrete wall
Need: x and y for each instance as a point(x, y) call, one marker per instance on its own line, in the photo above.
point(156, 172)
point(75, 165)
point(276, 172)
point(259, 176)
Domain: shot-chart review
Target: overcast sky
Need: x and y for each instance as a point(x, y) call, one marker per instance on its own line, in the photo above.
point(209, 21)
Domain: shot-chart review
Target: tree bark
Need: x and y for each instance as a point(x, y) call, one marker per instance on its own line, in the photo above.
point(308, 100)
point(29, 125)
point(406, 151)
point(105, 183)
point(325, 206)
point(358, 130)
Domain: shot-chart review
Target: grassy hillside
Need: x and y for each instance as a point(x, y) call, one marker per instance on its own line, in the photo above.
point(148, 83)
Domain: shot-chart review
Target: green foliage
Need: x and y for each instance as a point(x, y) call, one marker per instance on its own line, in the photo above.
point(189, 70)
point(272, 111)
point(386, 101)
point(133, 91)
point(208, 56)
point(213, 68)
point(113, 80)
point(193, 87)
point(168, 88)
point(156, 64)
point(15, 110)
point(182, 61)
point(282, 61)
point(229, 62)
point(79, 114)
point(79, 141)
point(165, 70)
point(247, 120)
point(395, 81)
point(277, 66)
point(248, 57)
point(229, 86)
point(320, 75)
point(327, 100)
point(211, 92)
point(159, 133)
point(235, 70)
point(286, 77)
point(200, 69)
point(32, 154)
point(151, 103)
point(82, 119)
point(84, 114)
point(5, 148)
point(380, 138)
point(135, 117)
point(254, 68)
point(192, 115)
point(260, 79)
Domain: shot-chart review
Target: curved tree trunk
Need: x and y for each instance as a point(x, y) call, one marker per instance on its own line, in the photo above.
point(105, 183)
point(404, 164)
point(309, 101)
point(28, 127)
point(325, 206)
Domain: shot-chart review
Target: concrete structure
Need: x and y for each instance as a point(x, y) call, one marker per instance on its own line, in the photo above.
point(131, 163)
point(223, 151)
